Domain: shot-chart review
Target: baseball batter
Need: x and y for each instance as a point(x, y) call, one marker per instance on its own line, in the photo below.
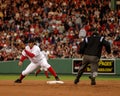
point(33, 53)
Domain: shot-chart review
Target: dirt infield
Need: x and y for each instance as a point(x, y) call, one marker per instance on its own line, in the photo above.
point(41, 88)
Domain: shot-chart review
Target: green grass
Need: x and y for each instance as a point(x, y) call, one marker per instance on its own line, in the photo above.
point(62, 77)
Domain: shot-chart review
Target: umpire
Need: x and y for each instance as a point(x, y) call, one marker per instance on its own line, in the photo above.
point(91, 49)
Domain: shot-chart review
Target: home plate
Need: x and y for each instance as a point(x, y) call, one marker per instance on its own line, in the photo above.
point(55, 82)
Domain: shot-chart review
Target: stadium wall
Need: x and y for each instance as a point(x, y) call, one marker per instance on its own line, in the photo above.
point(62, 66)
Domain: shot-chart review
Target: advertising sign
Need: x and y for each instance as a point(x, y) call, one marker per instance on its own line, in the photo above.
point(106, 66)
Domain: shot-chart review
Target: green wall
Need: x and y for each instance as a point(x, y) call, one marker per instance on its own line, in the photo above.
point(118, 66)
point(61, 66)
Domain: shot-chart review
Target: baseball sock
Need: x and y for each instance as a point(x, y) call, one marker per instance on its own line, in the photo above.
point(51, 70)
point(38, 71)
point(46, 73)
point(21, 77)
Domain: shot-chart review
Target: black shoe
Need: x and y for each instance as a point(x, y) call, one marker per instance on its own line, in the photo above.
point(93, 82)
point(76, 81)
point(57, 78)
point(18, 81)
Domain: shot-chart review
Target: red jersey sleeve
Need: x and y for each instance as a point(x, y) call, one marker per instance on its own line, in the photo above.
point(29, 54)
point(23, 58)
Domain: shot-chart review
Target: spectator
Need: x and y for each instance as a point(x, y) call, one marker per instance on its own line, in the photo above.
point(51, 22)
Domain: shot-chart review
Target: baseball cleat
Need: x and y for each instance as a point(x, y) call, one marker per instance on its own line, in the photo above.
point(57, 78)
point(18, 81)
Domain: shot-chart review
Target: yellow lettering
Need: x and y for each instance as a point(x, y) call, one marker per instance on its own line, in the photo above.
point(105, 69)
point(106, 63)
point(88, 69)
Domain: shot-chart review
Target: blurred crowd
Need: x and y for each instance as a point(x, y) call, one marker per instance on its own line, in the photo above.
point(58, 26)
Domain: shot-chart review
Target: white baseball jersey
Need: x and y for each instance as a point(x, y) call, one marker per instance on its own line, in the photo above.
point(46, 53)
point(39, 60)
point(36, 51)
